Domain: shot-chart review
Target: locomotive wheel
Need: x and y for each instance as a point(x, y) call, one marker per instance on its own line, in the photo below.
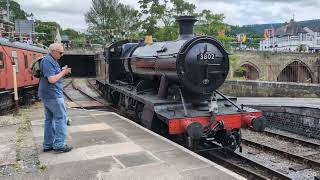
point(114, 97)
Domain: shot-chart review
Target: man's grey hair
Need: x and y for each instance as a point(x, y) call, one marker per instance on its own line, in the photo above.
point(55, 47)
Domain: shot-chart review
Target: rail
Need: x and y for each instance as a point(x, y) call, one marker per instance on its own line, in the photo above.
point(243, 166)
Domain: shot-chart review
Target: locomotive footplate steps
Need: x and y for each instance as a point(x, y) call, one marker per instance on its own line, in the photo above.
point(109, 146)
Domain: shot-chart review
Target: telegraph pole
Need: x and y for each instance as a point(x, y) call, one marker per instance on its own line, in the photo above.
point(8, 10)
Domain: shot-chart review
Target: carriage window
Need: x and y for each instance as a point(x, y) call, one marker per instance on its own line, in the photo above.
point(15, 59)
point(26, 61)
point(1, 60)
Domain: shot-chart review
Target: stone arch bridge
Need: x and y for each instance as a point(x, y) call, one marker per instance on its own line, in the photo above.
point(278, 66)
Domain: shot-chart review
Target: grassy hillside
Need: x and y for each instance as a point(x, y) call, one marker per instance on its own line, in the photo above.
point(259, 28)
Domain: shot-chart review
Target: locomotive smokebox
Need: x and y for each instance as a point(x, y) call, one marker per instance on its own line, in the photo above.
point(186, 24)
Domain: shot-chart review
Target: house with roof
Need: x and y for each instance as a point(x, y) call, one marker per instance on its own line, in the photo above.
point(292, 37)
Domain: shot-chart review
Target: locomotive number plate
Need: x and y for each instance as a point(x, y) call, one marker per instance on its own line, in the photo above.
point(207, 56)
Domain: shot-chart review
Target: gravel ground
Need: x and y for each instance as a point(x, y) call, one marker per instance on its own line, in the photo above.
point(9, 120)
point(278, 143)
point(276, 162)
point(26, 153)
point(294, 135)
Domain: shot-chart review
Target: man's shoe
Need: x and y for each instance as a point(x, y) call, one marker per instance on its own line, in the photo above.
point(66, 148)
point(47, 150)
point(69, 122)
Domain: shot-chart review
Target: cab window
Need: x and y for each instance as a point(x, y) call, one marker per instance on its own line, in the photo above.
point(1, 60)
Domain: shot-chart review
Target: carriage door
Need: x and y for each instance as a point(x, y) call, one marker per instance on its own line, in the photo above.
point(3, 76)
point(26, 69)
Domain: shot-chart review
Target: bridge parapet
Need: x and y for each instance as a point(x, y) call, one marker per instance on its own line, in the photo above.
point(274, 66)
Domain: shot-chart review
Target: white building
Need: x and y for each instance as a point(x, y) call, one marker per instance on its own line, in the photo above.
point(292, 37)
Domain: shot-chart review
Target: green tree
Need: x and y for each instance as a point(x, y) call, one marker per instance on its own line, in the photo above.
point(153, 10)
point(210, 23)
point(109, 17)
point(79, 41)
point(15, 10)
point(71, 33)
point(166, 33)
point(181, 8)
point(47, 31)
point(163, 12)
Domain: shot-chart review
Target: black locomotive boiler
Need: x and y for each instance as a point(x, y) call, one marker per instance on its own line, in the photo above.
point(171, 87)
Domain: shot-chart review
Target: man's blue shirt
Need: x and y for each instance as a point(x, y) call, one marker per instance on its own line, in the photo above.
point(50, 67)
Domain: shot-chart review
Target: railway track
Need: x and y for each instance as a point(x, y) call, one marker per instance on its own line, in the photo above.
point(289, 154)
point(308, 155)
point(244, 166)
point(295, 140)
point(297, 158)
point(82, 96)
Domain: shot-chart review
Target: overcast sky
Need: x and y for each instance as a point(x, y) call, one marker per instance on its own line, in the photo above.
point(70, 13)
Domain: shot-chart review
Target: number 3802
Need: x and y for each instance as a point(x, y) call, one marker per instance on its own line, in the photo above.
point(207, 56)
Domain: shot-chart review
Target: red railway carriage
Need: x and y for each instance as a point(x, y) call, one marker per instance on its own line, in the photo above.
point(22, 55)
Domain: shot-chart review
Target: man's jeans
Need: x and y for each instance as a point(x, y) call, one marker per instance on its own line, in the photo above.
point(55, 126)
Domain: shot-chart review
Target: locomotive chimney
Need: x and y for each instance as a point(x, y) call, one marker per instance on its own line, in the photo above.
point(186, 24)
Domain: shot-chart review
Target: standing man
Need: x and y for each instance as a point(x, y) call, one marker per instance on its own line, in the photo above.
point(51, 94)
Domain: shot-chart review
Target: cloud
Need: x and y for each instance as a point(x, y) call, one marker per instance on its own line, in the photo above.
point(263, 1)
point(70, 13)
point(242, 12)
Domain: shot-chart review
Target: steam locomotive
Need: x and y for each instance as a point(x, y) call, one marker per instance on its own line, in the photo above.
point(171, 88)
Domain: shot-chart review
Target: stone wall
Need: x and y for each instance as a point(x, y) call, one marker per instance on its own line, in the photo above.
point(241, 88)
point(300, 120)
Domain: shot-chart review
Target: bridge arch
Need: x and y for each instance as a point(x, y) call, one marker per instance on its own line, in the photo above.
point(296, 71)
point(251, 71)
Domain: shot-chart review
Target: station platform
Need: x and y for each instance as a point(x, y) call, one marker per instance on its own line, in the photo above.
point(110, 147)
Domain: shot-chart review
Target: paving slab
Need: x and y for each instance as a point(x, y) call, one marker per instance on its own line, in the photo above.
point(79, 170)
point(109, 146)
point(181, 160)
point(136, 159)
